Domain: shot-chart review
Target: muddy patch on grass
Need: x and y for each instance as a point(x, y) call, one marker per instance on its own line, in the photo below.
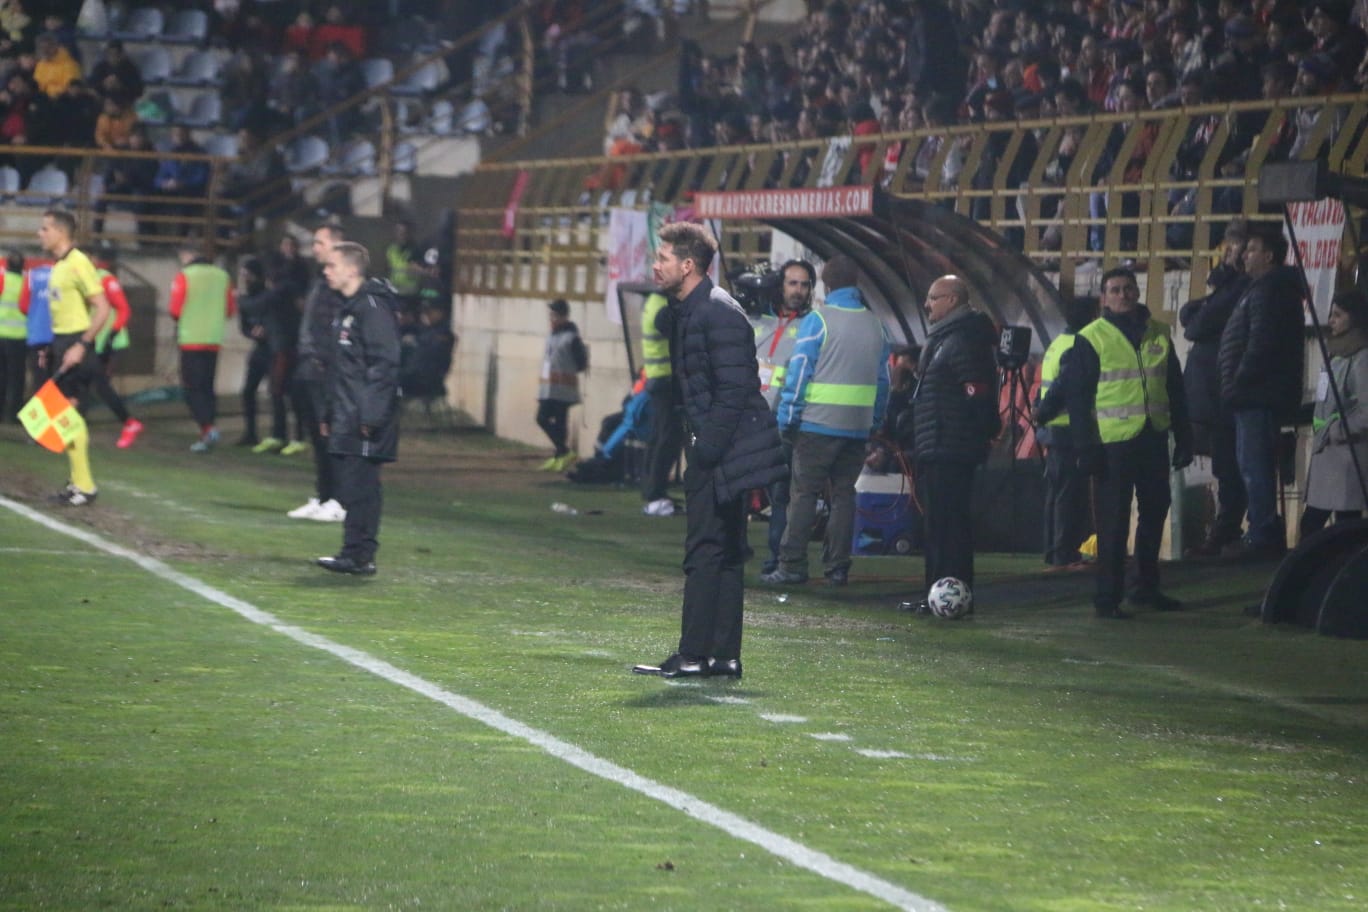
point(110, 524)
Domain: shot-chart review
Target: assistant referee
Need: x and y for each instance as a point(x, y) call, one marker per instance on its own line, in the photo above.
point(79, 311)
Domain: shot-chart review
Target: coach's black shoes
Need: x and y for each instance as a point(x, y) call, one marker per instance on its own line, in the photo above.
point(676, 666)
point(349, 565)
point(724, 668)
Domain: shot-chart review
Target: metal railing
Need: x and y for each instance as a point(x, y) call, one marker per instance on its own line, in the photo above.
point(1065, 191)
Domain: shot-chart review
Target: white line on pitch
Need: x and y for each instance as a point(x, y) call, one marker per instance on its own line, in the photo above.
point(781, 846)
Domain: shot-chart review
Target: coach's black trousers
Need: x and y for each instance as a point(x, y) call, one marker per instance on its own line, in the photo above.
point(714, 570)
point(357, 481)
point(945, 490)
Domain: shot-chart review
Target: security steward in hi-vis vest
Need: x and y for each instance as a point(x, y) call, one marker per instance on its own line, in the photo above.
point(667, 430)
point(834, 394)
point(1066, 515)
point(1124, 391)
point(202, 303)
point(13, 339)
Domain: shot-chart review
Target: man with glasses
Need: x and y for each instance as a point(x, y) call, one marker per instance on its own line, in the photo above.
point(1124, 392)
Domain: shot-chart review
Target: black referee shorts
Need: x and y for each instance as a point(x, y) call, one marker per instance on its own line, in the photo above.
point(74, 383)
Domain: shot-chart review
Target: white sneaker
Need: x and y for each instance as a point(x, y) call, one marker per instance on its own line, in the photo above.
point(329, 511)
point(662, 507)
point(308, 511)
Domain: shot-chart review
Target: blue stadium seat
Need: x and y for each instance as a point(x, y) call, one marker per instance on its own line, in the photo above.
point(224, 145)
point(9, 182)
point(355, 159)
point(198, 69)
point(306, 153)
point(377, 71)
point(143, 24)
point(47, 187)
point(187, 27)
point(405, 158)
point(154, 63)
point(205, 111)
point(422, 81)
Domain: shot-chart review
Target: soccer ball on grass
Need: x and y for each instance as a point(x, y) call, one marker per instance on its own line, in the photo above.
point(950, 598)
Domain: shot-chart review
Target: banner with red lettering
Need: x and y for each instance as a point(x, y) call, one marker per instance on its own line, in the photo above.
point(1319, 227)
point(629, 254)
point(831, 202)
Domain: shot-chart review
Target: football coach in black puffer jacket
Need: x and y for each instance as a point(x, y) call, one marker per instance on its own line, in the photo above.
point(361, 422)
point(732, 447)
point(955, 417)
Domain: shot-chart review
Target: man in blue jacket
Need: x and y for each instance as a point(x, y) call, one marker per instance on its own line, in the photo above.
point(834, 395)
point(731, 443)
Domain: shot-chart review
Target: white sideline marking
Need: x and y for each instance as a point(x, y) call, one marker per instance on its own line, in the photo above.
point(53, 552)
point(732, 701)
point(880, 754)
point(782, 717)
point(738, 827)
point(829, 736)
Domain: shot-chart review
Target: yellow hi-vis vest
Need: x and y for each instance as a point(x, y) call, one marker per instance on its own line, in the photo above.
point(1132, 388)
point(655, 348)
point(1049, 372)
point(13, 324)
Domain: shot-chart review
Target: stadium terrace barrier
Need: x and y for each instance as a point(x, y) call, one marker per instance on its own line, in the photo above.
point(1068, 193)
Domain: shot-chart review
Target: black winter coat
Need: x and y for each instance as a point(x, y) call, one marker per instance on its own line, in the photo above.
point(1203, 322)
point(363, 389)
point(317, 331)
point(955, 406)
point(712, 354)
point(1263, 348)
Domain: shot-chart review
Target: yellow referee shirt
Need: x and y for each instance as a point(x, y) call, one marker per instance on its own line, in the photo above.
point(71, 285)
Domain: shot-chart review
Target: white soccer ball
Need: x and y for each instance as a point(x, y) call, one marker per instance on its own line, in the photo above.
point(950, 598)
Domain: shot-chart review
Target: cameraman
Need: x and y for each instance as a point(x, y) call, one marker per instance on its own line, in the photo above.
point(779, 301)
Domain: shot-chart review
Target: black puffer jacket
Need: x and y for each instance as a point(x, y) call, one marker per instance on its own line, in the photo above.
point(363, 389)
point(955, 407)
point(316, 336)
point(1263, 348)
point(1203, 321)
point(712, 354)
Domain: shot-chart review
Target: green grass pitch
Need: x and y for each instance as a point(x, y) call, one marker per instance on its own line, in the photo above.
point(159, 751)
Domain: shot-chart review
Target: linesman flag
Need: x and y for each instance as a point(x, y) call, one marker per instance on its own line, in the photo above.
point(51, 419)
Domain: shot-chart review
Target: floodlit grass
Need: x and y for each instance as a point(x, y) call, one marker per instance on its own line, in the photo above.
point(159, 751)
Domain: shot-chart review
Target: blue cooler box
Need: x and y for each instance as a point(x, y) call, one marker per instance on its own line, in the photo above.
point(886, 519)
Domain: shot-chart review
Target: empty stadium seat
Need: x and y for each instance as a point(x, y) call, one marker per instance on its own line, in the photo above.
point(405, 158)
point(9, 182)
point(198, 69)
point(306, 153)
point(143, 24)
point(355, 159)
point(47, 187)
point(187, 27)
point(154, 63)
point(377, 71)
point(422, 81)
point(224, 145)
point(205, 111)
point(442, 118)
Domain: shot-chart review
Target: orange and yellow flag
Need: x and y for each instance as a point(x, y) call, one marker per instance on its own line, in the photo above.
point(50, 418)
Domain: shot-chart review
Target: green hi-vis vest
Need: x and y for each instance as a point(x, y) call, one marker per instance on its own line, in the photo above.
point(1132, 387)
point(844, 388)
point(102, 342)
point(655, 348)
point(1049, 372)
point(400, 274)
point(13, 324)
point(205, 312)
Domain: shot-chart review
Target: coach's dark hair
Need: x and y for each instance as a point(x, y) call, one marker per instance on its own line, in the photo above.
point(690, 241)
point(803, 265)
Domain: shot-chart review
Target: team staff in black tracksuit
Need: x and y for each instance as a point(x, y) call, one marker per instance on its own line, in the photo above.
point(955, 418)
point(1124, 392)
point(362, 417)
point(732, 447)
point(1213, 425)
point(309, 385)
